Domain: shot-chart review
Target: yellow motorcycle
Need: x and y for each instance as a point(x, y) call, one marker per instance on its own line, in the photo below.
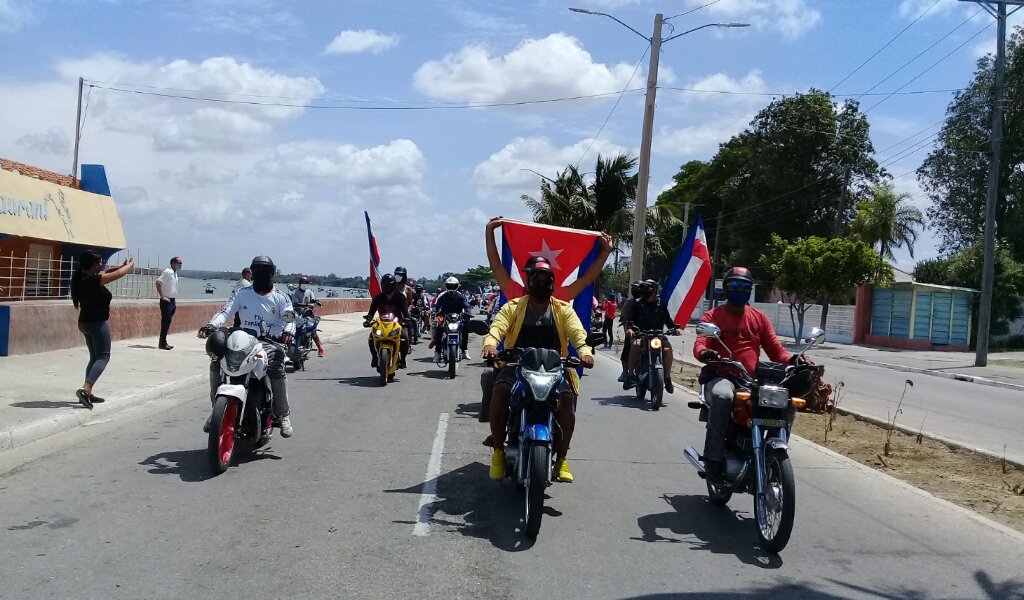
point(386, 333)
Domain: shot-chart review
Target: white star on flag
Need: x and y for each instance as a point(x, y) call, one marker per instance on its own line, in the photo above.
point(550, 255)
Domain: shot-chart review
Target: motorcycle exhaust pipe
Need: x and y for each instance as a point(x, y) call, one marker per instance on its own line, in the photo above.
point(691, 453)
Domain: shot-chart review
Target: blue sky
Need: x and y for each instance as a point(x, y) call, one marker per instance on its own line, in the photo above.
point(217, 182)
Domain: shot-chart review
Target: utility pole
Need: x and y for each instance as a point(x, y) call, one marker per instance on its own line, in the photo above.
point(997, 10)
point(686, 216)
point(636, 261)
point(713, 299)
point(837, 227)
point(78, 129)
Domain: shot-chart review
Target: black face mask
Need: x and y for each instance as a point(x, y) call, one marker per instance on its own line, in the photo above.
point(541, 288)
point(263, 281)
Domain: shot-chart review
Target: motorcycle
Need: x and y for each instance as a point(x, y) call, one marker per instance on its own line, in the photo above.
point(650, 372)
point(451, 341)
point(757, 438)
point(243, 406)
point(306, 324)
point(414, 323)
point(386, 332)
point(529, 445)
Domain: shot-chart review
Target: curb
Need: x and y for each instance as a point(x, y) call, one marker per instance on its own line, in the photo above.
point(27, 433)
point(949, 443)
point(933, 372)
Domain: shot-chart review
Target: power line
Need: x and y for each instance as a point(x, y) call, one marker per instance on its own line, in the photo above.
point(614, 106)
point(887, 44)
point(693, 10)
point(794, 93)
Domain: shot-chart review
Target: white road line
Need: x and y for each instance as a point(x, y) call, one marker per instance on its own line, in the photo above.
point(429, 495)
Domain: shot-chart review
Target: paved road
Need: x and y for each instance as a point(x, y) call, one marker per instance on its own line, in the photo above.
point(125, 509)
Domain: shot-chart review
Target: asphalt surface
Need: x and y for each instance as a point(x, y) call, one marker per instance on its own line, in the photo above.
point(126, 509)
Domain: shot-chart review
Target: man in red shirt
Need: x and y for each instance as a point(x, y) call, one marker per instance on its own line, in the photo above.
point(608, 308)
point(745, 330)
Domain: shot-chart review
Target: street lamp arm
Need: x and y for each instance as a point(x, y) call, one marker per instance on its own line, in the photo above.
point(704, 26)
point(594, 12)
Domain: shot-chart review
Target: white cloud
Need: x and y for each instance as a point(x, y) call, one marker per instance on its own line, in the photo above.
point(366, 40)
point(200, 174)
point(176, 124)
point(52, 141)
point(791, 18)
point(527, 72)
point(398, 163)
point(13, 16)
point(512, 171)
point(265, 20)
point(912, 9)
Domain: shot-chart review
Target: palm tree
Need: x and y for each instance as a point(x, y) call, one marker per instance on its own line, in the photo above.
point(887, 218)
point(564, 200)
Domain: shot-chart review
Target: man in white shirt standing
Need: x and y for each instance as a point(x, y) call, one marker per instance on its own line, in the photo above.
point(167, 289)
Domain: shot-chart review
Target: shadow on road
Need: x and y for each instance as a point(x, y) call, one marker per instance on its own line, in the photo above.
point(143, 346)
point(625, 401)
point(191, 466)
point(46, 404)
point(368, 381)
point(471, 409)
point(991, 590)
point(717, 529)
point(485, 509)
point(431, 374)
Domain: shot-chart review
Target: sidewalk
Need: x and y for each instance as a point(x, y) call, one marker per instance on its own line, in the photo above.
point(37, 398)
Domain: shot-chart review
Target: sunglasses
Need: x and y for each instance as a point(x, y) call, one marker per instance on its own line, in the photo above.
point(739, 286)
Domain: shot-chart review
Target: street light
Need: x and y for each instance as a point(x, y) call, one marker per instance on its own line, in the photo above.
point(636, 263)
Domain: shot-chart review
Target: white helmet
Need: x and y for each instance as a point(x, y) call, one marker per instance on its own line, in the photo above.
point(452, 283)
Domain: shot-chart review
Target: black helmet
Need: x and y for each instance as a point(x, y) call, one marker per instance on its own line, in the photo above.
point(739, 274)
point(634, 289)
point(800, 381)
point(217, 344)
point(262, 263)
point(401, 274)
point(418, 288)
point(387, 283)
point(646, 287)
point(535, 263)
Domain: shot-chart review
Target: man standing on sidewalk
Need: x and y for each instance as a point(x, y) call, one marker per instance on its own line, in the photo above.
point(167, 289)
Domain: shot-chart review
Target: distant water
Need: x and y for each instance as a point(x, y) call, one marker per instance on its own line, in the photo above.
point(195, 289)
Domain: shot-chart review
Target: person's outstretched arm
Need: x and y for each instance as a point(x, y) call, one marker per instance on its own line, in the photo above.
point(592, 273)
point(493, 258)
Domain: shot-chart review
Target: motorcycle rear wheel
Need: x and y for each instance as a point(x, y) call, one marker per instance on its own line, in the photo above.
point(536, 482)
point(776, 511)
point(383, 365)
point(223, 434)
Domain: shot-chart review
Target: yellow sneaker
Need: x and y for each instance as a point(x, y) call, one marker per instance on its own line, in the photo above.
point(498, 465)
point(563, 472)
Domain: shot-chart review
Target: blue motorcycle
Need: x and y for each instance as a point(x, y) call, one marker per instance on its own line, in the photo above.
point(451, 342)
point(306, 326)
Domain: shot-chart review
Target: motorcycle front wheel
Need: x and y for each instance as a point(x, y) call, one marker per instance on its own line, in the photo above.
point(775, 510)
point(657, 390)
point(453, 361)
point(536, 482)
point(223, 434)
point(383, 364)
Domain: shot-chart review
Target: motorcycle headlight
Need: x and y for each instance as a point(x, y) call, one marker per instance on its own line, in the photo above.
point(234, 359)
point(541, 382)
point(655, 343)
point(394, 332)
point(378, 332)
point(453, 326)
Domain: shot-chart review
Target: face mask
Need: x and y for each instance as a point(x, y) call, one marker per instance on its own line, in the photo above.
point(176, 266)
point(738, 297)
point(303, 286)
point(541, 288)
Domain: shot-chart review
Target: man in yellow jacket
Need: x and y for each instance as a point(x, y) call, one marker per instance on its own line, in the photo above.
point(536, 321)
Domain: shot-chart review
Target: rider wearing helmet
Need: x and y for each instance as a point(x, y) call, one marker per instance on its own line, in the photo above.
point(450, 302)
point(536, 321)
point(625, 314)
point(402, 282)
point(648, 314)
point(303, 297)
point(261, 308)
point(390, 301)
point(745, 331)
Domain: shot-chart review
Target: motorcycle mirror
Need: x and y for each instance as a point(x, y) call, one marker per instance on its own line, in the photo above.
point(709, 330)
point(478, 327)
point(288, 316)
point(596, 339)
point(816, 336)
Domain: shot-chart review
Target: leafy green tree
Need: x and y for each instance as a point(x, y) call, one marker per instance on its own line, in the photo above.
point(887, 219)
point(955, 174)
point(564, 200)
point(964, 268)
point(812, 268)
point(476, 276)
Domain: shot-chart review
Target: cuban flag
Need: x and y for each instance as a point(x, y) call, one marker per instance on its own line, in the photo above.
point(689, 277)
point(374, 259)
point(570, 251)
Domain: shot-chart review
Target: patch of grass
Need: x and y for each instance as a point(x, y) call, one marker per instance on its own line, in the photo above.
point(1007, 362)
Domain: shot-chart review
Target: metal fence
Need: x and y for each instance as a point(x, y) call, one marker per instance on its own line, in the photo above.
point(27, 277)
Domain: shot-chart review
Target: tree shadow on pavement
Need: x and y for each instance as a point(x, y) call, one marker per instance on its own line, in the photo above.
point(486, 509)
point(46, 404)
point(991, 590)
point(716, 529)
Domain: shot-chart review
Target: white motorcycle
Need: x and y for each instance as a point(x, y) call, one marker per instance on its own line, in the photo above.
point(243, 408)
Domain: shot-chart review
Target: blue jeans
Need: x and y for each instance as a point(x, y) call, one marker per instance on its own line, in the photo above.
point(97, 339)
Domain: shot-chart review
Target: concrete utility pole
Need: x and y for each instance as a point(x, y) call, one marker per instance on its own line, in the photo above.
point(636, 261)
point(78, 129)
point(998, 10)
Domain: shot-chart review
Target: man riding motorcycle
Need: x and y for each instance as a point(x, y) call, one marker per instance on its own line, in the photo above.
point(390, 301)
point(745, 330)
point(625, 314)
point(649, 314)
point(450, 301)
point(402, 283)
point(303, 297)
point(261, 307)
point(536, 321)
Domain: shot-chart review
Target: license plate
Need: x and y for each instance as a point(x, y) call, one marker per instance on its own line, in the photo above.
point(775, 423)
point(773, 396)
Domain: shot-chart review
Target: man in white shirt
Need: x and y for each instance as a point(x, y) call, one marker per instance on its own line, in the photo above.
point(246, 279)
point(303, 297)
point(167, 289)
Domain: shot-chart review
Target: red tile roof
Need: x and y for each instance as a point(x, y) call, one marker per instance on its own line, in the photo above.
point(37, 173)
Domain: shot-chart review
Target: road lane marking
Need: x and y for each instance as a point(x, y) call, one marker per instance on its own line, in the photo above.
point(429, 495)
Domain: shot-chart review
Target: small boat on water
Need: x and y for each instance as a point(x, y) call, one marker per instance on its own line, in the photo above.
point(209, 288)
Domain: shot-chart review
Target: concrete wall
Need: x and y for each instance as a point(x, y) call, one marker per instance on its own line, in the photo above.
point(840, 324)
point(53, 324)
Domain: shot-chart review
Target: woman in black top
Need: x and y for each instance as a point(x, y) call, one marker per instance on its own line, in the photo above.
point(92, 300)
